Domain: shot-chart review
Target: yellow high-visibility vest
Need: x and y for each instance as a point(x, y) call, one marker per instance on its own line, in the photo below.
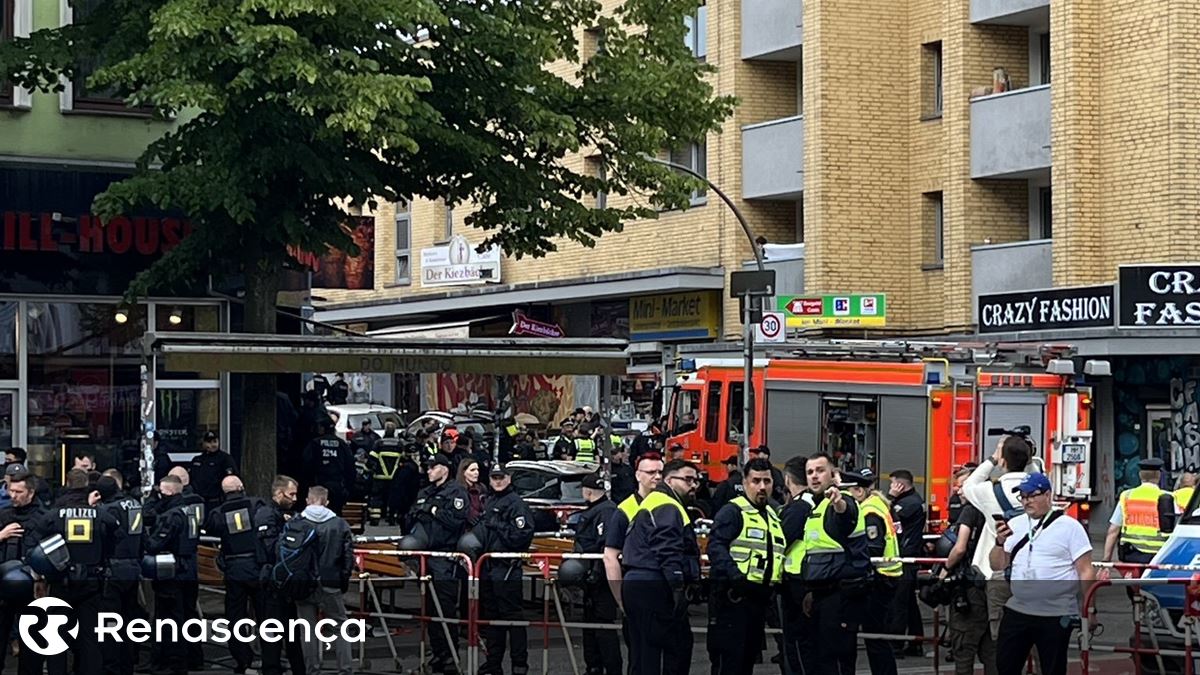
point(750, 550)
point(874, 505)
point(1139, 518)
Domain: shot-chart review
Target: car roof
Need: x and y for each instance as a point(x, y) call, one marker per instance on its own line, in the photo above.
point(359, 408)
point(561, 467)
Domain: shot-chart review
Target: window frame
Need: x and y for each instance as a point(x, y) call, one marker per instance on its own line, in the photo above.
point(696, 160)
point(1044, 57)
point(712, 411)
point(403, 215)
point(938, 94)
point(73, 102)
point(935, 253)
point(8, 31)
point(1045, 212)
point(932, 81)
point(696, 37)
point(448, 224)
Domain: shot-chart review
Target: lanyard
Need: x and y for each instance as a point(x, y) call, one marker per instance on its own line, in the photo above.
point(1035, 530)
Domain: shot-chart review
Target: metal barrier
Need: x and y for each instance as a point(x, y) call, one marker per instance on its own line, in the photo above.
point(1141, 610)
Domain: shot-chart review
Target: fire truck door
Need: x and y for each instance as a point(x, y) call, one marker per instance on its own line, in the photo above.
point(793, 423)
point(1010, 409)
point(904, 436)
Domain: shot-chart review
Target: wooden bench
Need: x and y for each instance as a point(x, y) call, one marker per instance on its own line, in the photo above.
point(355, 514)
point(206, 560)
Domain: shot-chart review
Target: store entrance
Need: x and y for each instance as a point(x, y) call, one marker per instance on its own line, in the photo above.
point(1158, 436)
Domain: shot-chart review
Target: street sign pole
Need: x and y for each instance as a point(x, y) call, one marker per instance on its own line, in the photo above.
point(748, 324)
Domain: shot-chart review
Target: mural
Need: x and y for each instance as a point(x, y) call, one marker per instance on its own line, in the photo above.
point(1156, 414)
point(549, 398)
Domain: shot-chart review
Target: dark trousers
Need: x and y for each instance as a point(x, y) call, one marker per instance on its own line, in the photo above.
point(1021, 632)
point(121, 596)
point(85, 597)
point(239, 596)
point(379, 500)
point(735, 629)
point(500, 598)
point(798, 631)
point(906, 614)
point(445, 587)
point(971, 635)
point(191, 610)
point(8, 621)
point(601, 647)
point(879, 603)
point(168, 605)
point(271, 606)
point(836, 616)
point(660, 638)
point(337, 497)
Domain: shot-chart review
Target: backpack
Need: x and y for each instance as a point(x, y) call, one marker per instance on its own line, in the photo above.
point(295, 574)
point(1006, 507)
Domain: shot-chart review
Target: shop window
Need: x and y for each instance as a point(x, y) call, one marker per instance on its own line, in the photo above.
point(8, 340)
point(185, 415)
point(712, 412)
point(185, 319)
point(850, 435)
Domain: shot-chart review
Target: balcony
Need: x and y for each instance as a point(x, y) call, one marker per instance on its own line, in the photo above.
point(1005, 268)
point(772, 30)
point(1010, 133)
point(1011, 12)
point(773, 159)
point(788, 262)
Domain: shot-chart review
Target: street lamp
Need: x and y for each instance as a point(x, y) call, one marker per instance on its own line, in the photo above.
point(747, 312)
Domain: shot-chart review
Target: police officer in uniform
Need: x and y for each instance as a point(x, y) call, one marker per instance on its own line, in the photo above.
point(241, 559)
point(875, 519)
point(384, 460)
point(209, 468)
point(601, 648)
point(1187, 487)
point(172, 534)
point(194, 507)
point(663, 560)
point(506, 526)
point(1137, 522)
point(585, 447)
point(439, 519)
point(797, 626)
point(268, 524)
point(332, 464)
point(730, 487)
point(18, 533)
point(745, 552)
point(835, 568)
point(124, 514)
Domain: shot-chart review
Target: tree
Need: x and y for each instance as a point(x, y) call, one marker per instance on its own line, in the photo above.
point(288, 106)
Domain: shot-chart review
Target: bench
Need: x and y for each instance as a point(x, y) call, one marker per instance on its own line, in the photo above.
point(355, 514)
point(206, 560)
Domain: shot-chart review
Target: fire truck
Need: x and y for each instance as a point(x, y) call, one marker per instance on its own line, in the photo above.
point(928, 407)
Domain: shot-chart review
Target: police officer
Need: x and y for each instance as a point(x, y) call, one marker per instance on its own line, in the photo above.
point(730, 487)
point(621, 475)
point(193, 505)
point(1137, 522)
point(506, 526)
point(908, 512)
point(875, 519)
point(1187, 487)
point(797, 625)
point(124, 514)
point(18, 524)
point(172, 530)
point(835, 568)
point(663, 560)
point(241, 559)
point(509, 430)
point(268, 524)
point(209, 468)
point(332, 464)
point(439, 519)
point(404, 486)
point(383, 460)
point(745, 552)
point(601, 648)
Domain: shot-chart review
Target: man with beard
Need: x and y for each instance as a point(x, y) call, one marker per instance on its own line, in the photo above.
point(663, 559)
point(745, 550)
point(268, 523)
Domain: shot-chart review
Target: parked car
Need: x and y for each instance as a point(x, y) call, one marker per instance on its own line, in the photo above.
point(553, 489)
point(349, 418)
point(476, 424)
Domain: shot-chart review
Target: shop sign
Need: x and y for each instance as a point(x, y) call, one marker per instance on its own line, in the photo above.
point(834, 311)
point(523, 325)
point(1048, 309)
point(1159, 296)
point(675, 316)
point(459, 264)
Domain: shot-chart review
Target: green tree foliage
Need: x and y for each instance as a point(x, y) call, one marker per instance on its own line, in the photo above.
point(288, 105)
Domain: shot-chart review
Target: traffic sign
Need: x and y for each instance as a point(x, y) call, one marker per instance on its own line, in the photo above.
point(771, 328)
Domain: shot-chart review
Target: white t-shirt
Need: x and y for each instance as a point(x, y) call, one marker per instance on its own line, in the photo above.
point(978, 490)
point(1044, 581)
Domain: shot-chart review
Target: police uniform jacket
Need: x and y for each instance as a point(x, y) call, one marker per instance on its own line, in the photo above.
point(593, 521)
point(908, 512)
point(441, 513)
point(172, 534)
point(241, 557)
point(88, 536)
point(792, 517)
point(728, 489)
point(506, 526)
point(28, 517)
point(624, 482)
point(841, 527)
point(124, 517)
point(662, 543)
point(331, 461)
point(726, 528)
point(406, 483)
point(268, 524)
point(207, 470)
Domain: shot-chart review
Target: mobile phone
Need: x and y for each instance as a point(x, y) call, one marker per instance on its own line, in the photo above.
point(998, 517)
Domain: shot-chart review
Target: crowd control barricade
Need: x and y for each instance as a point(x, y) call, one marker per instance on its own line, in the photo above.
point(1152, 623)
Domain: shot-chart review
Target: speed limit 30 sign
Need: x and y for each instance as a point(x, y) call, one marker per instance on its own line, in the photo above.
point(771, 328)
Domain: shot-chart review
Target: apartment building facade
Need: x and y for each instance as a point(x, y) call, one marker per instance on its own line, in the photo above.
point(70, 352)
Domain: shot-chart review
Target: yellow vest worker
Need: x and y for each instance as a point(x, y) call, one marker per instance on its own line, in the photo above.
point(1183, 496)
point(1136, 519)
point(384, 460)
point(585, 450)
point(745, 553)
point(879, 531)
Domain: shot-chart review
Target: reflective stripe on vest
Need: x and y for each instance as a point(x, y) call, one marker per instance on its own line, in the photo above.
point(629, 506)
point(818, 556)
point(1139, 514)
point(585, 450)
point(1183, 497)
point(389, 461)
point(656, 499)
point(874, 505)
point(750, 550)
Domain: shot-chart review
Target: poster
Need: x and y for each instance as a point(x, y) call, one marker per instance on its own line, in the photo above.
point(338, 269)
point(549, 398)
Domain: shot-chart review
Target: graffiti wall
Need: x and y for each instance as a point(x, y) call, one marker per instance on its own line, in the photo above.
point(1156, 414)
point(549, 398)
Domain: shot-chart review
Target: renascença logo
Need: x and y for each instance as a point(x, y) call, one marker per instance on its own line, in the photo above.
point(48, 626)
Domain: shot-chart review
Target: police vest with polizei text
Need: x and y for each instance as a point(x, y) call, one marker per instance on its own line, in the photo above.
point(80, 531)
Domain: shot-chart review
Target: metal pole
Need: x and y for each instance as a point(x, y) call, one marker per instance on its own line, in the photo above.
point(747, 327)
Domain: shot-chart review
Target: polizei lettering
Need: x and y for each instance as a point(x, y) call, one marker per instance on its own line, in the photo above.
point(1046, 312)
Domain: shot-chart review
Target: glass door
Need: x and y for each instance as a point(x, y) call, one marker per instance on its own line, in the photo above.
point(8, 416)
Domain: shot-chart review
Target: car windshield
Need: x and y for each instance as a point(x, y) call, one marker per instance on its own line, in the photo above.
point(536, 484)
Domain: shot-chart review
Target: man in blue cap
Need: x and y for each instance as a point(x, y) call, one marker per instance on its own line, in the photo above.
point(1137, 522)
point(1048, 578)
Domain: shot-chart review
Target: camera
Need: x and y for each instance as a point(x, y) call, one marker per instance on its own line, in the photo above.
point(948, 590)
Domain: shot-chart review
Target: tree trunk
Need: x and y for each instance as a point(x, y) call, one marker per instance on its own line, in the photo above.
point(259, 441)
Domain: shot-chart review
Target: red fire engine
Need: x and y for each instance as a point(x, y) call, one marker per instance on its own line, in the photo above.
point(922, 406)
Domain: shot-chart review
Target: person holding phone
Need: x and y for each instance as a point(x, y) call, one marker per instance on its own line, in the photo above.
point(1048, 556)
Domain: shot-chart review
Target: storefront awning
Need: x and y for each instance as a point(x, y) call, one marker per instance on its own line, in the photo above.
point(248, 353)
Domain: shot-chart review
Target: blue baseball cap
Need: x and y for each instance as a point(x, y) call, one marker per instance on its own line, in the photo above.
point(1034, 482)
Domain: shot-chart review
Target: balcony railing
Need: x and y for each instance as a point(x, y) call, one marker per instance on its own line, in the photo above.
point(1006, 268)
point(773, 159)
point(1010, 133)
point(772, 30)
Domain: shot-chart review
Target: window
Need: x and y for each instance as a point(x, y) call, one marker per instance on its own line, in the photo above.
point(934, 232)
point(695, 157)
point(800, 220)
point(448, 227)
point(8, 21)
point(595, 167)
point(734, 431)
point(1045, 213)
point(687, 404)
point(1044, 48)
point(593, 44)
point(696, 34)
point(403, 243)
point(931, 89)
point(83, 97)
point(712, 412)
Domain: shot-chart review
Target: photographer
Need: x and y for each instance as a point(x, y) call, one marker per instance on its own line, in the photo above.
point(970, 632)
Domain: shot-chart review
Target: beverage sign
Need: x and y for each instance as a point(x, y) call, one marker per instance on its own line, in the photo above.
point(834, 311)
point(1048, 309)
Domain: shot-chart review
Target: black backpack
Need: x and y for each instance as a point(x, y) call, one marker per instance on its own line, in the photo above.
point(295, 575)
